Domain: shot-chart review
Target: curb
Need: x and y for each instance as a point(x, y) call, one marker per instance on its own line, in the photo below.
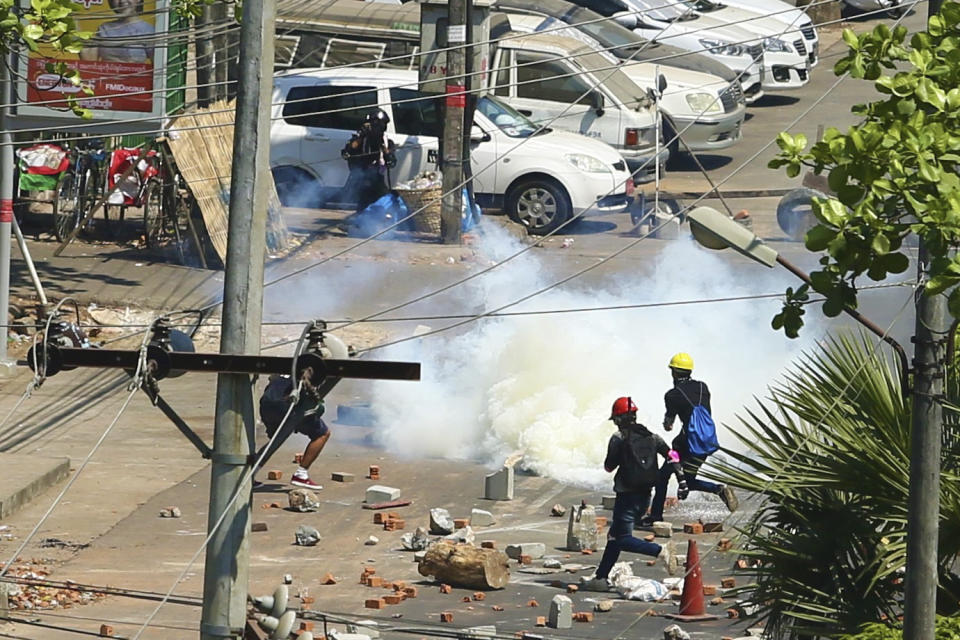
point(27, 476)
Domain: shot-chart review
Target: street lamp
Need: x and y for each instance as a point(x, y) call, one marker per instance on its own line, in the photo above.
point(714, 230)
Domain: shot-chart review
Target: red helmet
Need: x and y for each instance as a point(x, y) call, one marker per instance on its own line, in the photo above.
point(622, 406)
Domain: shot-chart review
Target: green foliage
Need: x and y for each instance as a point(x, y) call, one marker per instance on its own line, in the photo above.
point(829, 536)
point(894, 174)
point(946, 629)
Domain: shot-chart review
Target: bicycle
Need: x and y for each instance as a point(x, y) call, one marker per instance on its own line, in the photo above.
point(80, 188)
point(169, 208)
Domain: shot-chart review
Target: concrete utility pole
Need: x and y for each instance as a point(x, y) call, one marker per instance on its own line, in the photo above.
point(923, 508)
point(456, 101)
point(203, 46)
point(227, 558)
point(6, 211)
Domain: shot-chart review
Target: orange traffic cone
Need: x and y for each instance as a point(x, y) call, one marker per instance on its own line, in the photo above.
point(692, 606)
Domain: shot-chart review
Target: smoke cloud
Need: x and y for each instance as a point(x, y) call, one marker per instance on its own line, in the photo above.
point(544, 384)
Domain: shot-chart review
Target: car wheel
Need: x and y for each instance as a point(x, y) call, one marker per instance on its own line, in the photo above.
point(539, 204)
point(676, 149)
point(296, 187)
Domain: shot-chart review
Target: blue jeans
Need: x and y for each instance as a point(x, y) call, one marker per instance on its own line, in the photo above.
point(691, 466)
point(627, 509)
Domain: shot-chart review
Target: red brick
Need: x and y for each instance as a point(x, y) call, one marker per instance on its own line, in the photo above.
point(393, 599)
point(374, 603)
point(541, 621)
point(306, 625)
point(725, 544)
point(479, 595)
point(712, 527)
point(533, 603)
point(488, 544)
point(379, 517)
point(369, 570)
point(525, 559)
point(716, 601)
point(106, 631)
point(460, 523)
point(583, 616)
point(306, 599)
point(572, 588)
point(709, 589)
point(733, 613)
point(601, 522)
point(374, 581)
point(465, 599)
point(275, 505)
point(274, 475)
point(394, 524)
point(374, 473)
point(728, 583)
point(743, 564)
point(388, 585)
point(410, 592)
point(586, 552)
point(398, 585)
point(497, 607)
point(694, 528)
point(649, 537)
point(445, 588)
point(297, 458)
point(651, 563)
point(328, 579)
point(446, 616)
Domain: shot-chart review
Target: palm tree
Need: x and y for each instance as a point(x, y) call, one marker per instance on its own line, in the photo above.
point(828, 453)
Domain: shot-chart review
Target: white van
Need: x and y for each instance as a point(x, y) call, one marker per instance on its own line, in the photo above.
point(539, 177)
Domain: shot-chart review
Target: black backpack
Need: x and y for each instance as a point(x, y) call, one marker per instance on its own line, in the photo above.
point(275, 402)
point(639, 464)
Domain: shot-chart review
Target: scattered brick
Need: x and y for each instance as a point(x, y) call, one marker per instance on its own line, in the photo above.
point(388, 585)
point(465, 599)
point(446, 616)
point(601, 522)
point(306, 600)
point(410, 592)
point(725, 638)
point(274, 475)
point(716, 601)
point(306, 625)
point(712, 527)
point(297, 458)
point(541, 621)
point(393, 599)
point(533, 603)
point(725, 544)
point(572, 588)
point(258, 527)
point(583, 616)
point(488, 544)
point(106, 631)
point(526, 559)
point(728, 583)
point(369, 570)
point(709, 589)
point(380, 517)
point(445, 588)
point(652, 613)
point(340, 476)
point(479, 595)
point(374, 473)
point(694, 528)
point(374, 581)
point(743, 564)
point(394, 524)
point(497, 607)
point(374, 603)
point(649, 537)
point(733, 613)
point(651, 563)
point(586, 552)
point(398, 585)
point(328, 579)
point(460, 523)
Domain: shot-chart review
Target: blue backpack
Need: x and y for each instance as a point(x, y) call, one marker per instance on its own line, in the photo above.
point(701, 430)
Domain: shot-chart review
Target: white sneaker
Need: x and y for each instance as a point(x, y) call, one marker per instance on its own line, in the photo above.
point(668, 558)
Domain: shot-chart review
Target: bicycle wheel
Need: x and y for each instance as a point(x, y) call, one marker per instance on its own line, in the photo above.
point(153, 214)
point(188, 250)
point(66, 212)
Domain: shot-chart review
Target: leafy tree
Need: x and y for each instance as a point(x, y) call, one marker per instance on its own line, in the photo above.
point(946, 629)
point(828, 540)
point(894, 174)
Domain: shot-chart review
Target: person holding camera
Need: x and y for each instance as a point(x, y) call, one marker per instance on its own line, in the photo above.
point(369, 155)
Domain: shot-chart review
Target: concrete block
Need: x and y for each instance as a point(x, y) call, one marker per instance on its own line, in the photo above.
point(662, 529)
point(561, 612)
point(481, 518)
point(582, 532)
point(712, 527)
point(480, 631)
point(380, 493)
point(25, 477)
point(440, 522)
point(533, 549)
point(608, 502)
point(341, 476)
point(499, 485)
point(258, 527)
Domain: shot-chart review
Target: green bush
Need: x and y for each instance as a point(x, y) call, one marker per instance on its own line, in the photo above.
point(947, 629)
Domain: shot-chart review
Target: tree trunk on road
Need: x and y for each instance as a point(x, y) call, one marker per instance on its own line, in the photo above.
point(466, 566)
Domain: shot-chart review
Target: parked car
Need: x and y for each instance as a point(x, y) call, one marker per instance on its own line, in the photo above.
point(539, 177)
point(708, 110)
point(789, 15)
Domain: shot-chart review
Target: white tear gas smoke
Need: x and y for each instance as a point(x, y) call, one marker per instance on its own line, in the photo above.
point(544, 384)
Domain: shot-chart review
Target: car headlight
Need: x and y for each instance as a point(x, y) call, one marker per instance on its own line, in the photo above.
point(586, 163)
point(776, 45)
point(722, 48)
point(704, 103)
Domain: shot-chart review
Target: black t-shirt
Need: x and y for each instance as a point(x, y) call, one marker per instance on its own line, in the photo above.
point(619, 458)
point(680, 401)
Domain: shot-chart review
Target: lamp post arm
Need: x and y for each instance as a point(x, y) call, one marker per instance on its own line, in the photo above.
point(860, 318)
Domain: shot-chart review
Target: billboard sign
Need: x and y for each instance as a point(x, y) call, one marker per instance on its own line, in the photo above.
point(123, 63)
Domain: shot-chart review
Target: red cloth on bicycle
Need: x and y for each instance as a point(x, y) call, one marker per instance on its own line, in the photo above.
point(120, 161)
point(41, 159)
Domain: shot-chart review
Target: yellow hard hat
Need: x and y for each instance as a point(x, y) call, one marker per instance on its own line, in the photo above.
point(682, 361)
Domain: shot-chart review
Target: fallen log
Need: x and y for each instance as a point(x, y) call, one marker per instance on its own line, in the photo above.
point(466, 566)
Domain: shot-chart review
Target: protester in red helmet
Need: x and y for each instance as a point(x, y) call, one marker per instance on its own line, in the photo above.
point(632, 453)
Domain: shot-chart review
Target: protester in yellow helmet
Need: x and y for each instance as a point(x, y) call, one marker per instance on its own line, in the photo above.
point(680, 401)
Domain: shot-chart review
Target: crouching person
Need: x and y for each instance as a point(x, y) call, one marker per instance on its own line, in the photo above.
point(632, 453)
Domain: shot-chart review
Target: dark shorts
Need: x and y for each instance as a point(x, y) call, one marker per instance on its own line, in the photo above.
point(313, 427)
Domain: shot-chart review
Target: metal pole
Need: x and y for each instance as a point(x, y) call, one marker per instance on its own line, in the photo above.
point(6, 209)
point(25, 252)
point(455, 103)
point(923, 504)
point(227, 558)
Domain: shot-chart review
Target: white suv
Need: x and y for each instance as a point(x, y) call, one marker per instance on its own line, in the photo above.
point(540, 178)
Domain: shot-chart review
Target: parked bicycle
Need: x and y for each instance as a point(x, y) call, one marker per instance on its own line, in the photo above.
point(81, 187)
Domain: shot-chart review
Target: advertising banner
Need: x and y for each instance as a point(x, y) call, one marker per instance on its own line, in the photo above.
point(123, 63)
